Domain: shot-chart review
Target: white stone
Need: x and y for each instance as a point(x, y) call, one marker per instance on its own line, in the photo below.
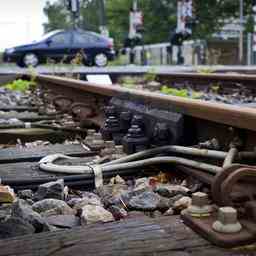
point(182, 203)
point(94, 214)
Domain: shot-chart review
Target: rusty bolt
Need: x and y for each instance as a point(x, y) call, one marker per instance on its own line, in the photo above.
point(227, 215)
point(199, 199)
point(98, 141)
point(90, 136)
point(97, 136)
point(109, 149)
point(227, 221)
point(119, 149)
point(200, 205)
point(110, 144)
point(119, 152)
point(90, 132)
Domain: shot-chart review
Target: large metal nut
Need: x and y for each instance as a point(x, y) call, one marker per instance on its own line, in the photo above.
point(110, 144)
point(199, 199)
point(119, 149)
point(98, 143)
point(227, 222)
point(90, 136)
point(91, 132)
point(200, 205)
point(97, 136)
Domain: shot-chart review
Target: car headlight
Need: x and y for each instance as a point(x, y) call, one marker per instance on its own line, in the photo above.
point(10, 50)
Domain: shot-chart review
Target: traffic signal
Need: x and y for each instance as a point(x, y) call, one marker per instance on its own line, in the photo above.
point(132, 42)
point(73, 5)
point(178, 38)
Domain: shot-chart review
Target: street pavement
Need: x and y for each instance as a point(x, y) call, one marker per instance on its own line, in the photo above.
point(133, 69)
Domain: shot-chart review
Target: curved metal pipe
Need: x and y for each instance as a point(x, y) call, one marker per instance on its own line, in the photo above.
point(174, 149)
point(47, 164)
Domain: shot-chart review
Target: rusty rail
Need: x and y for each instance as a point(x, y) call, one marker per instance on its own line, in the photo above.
point(236, 116)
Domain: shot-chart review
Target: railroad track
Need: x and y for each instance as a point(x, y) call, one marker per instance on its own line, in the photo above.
point(212, 142)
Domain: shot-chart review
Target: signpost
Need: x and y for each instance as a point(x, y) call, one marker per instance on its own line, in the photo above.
point(103, 19)
point(184, 28)
point(135, 29)
point(185, 15)
point(241, 37)
point(254, 31)
point(74, 7)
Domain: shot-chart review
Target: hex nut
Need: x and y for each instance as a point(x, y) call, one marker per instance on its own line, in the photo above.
point(110, 144)
point(98, 143)
point(227, 222)
point(119, 149)
point(90, 132)
point(200, 205)
point(97, 136)
point(199, 199)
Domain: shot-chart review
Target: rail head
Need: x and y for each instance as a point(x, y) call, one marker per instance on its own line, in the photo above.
point(235, 116)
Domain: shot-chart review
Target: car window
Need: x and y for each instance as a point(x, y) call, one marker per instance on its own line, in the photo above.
point(83, 38)
point(61, 38)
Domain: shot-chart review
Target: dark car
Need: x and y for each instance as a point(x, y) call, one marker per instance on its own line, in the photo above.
point(62, 45)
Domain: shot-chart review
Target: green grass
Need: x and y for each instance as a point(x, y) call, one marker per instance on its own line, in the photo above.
point(20, 85)
point(180, 92)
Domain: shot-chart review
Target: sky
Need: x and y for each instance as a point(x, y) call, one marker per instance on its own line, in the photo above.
point(20, 21)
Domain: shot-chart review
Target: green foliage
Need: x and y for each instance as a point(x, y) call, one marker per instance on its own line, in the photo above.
point(149, 77)
point(58, 18)
point(159, 17)
point(174, 92)
point(181, 92)
point(128, 82)
point(211, 15)
point(215, 88)
point(205, 70)
point(20, 85)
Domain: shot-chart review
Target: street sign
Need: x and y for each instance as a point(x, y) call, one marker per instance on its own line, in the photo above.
point(185, 13)
point(136, 21)
point(74, 5)
point(254, 32)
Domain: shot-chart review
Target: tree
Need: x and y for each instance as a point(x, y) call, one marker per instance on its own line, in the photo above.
point(211, 15)
point(57, 16)
point(159, 17)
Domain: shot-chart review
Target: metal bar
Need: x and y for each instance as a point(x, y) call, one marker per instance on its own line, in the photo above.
point(236, 116)
point(241, 38)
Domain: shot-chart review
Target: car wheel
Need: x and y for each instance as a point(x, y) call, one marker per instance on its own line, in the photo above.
point(30, 59)
point(101, 60)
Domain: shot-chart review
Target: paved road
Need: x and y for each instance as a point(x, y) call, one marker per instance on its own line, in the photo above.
point(11, 69)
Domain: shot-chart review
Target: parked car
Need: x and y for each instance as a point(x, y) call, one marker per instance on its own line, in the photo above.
point(58, 45)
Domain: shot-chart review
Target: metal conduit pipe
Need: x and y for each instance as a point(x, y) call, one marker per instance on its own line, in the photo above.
point(230, 157)
point(46, 164)
point(172, 149)
point(181, 150)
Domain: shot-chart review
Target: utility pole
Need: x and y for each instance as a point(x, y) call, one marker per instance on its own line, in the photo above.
point(103, 19)
point(135, 5)
point(254, 31)
point(74, 7)
point(241, 37)
point(135, 29)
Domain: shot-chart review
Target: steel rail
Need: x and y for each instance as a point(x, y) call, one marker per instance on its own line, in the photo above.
point(235, 116)
point(238, 78)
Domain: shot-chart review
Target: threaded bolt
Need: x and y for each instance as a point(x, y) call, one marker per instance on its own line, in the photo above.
point(90, 132)
point(227, 222)
point(119, 149)
point(97, 136)
point(110, 144)
point(199, 199)
point(200, 205)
